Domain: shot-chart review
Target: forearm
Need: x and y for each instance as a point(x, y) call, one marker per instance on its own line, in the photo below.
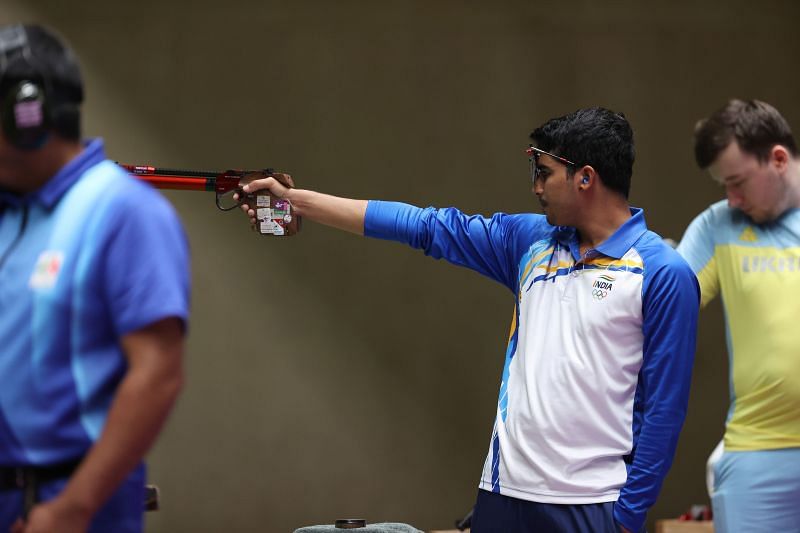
point(653, 457)
point(342, 213)
point(137, 413)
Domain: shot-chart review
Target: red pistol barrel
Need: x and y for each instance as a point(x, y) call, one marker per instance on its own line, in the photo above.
point(170, 178)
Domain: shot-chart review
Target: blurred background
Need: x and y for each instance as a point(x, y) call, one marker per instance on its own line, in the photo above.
point(333, 376)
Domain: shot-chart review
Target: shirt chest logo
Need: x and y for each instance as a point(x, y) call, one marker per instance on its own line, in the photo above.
point(748, 235)
point(45, 273)
point(602, 286)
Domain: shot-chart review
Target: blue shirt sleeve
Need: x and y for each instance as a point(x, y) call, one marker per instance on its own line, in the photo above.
point(490, 246)
point(698, 246)
point(670, 304)
point(697, 243)
point(147, 261)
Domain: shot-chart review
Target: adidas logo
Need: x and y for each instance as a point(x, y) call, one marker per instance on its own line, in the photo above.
point(748, 235)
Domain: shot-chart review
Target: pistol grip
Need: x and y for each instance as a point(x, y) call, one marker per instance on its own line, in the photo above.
point(274, 216)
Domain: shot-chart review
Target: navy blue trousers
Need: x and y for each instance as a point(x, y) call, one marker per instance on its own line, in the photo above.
point(495, 513)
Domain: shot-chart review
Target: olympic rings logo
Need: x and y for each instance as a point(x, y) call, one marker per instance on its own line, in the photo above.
point(599, 294)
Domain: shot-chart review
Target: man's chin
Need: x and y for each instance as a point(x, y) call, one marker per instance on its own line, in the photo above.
point(760, 218)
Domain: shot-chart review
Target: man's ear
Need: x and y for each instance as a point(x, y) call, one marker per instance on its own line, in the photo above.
point(586, 177)
point(780, 157)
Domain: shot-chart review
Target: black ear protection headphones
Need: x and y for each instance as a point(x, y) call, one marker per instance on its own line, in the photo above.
point(25, 111)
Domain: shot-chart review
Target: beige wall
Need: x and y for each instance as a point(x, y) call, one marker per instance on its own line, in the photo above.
point(332, 376)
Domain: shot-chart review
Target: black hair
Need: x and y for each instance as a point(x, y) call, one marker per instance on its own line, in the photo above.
point(756, 126)
point(595, 136)
point(47, 61)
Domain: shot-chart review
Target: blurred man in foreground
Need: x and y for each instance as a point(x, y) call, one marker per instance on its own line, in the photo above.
point(94, 294)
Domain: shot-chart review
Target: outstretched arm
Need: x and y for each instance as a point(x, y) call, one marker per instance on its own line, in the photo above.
point(486, 245)
point(342, 213)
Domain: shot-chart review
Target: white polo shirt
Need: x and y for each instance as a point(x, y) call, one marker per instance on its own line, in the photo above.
point(598, 362)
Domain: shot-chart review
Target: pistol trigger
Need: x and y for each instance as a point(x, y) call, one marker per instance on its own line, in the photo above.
point(243, 196)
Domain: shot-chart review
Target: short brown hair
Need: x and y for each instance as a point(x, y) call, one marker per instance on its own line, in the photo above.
point(756, 126)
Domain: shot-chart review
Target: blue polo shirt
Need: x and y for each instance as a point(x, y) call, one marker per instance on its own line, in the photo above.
point(91, 256)
point(598, 363)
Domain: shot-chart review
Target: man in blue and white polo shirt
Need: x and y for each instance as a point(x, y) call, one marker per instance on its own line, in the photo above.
point(94, 295)
point(598, 364)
